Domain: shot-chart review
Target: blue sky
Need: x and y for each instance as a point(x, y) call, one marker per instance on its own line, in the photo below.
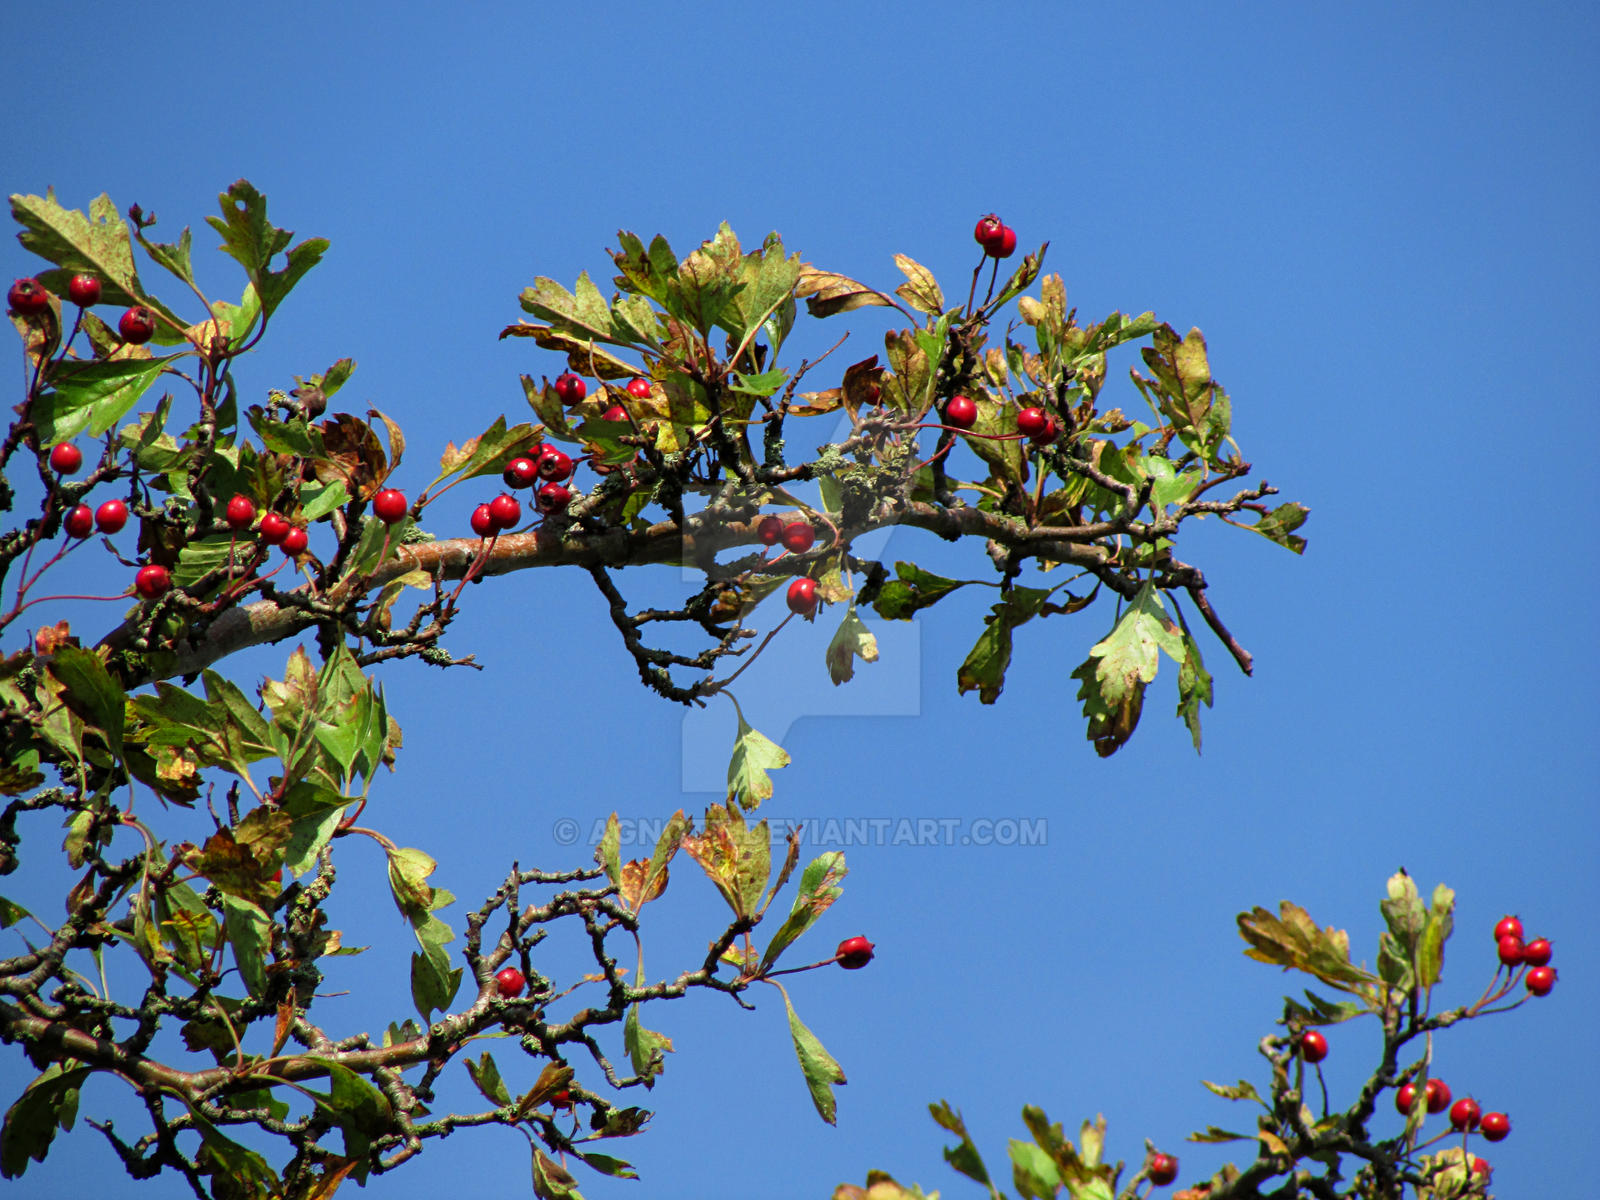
point(1383, 219)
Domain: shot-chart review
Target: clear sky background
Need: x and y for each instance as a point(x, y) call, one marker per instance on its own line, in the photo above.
point(1384, 219)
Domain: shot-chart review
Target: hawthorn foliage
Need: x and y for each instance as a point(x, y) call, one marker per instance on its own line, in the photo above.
point(204, 816)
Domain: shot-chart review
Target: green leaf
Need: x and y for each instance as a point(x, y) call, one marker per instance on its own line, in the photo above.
point(408, 874)
point(964, 1157)
point(1006, 459)
point(487, 1076)
point(92, 395)
point(552, 1181)
point(1279, 526)
point(852, 640)
point(1243, 1090)
point(984, 669)
point(91, 691)
point(607, 1165)
point(647, 1050)
point(1194, 686)
point(241, 1173)
point(821, 883)
point(433, 983)
point(584, 315)
point(1033, 1172)
point(98, 243)
point(1213, 1134)
point(249, 933)
point(486, 454)
point(754, 754)
point(357, 1107)
point(173, 257)
point(816, 1064)
point(48, 1103)
point(913, 589)
point(608, 853)
point(11, 912)
point(254, 242)
point(1430, 950)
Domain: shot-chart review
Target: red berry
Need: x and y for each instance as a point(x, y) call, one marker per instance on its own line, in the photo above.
point(390, 506)
point(505, 511)
point(1163, 1169)
point(295, 541)
point(553, 497)
point(152, 582)
point(482, 521)
point(521, 473)
point(1537, 952)
point(1004, 244)
point(510, 982)
point(639, 389)
point(65, 458)
point(961, 412)
point(1031, 422)
point(1464, 1113)
point(1495, 1127)
point(1480, 1166)
point(555, 465)
point(28, 296)
point(1508, 927)
point(84, 290)
point(798, 536)
point(1541, 980)
point(1313, 1046)
point(242, 513)
point(570, 389)
point(1403, 1099)
point(986, 230)
point(274, 528)
point(615, 413)
point(138, 325)
point(803, 596)
point(854, 953)
point(1438, 1095)
point(79, 521)
point(770, 531)
point(562, 1099)
point(1048, 434)
point(111, 516)
point(1511, 950)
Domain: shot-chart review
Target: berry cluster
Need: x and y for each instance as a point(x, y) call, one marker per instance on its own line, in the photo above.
point(1533, 957)
point(997, 238)
point(544, 468)
point(29, 297)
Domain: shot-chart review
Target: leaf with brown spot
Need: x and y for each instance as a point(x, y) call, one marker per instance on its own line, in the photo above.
point(355, 457)
point(827, 293)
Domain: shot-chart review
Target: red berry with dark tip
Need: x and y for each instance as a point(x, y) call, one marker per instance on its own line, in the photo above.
point(482, 521)
point(138, 325)
point(1403, 1099)
point(803, 596)
point(28, 296)
point(553, 497)
point(1004, 244)
point(961, 412)
point(854, 953)
point(986, 230)
point(1465, 1113)
point(241, 513)
point(152, 582)
point(521, 473)
point(1508, 927)
point(295, 541)
point(1537, 952)
point(1541, 980)
point(639, 389)
point(510, 982)
point(798, 536)
point(111, 516)
point(65, 459)
point(1510, 950)
point(274, 528)
point(79, 521)
point(1495, 1127)
point(1031, 422)
point(1163, 1169)
point(555, 465)
point(390, 506)
point(84, 290)
point(505, 511)
point(1313, 1046)
point(770, 531)
point(615, 413)
point(570, 389)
